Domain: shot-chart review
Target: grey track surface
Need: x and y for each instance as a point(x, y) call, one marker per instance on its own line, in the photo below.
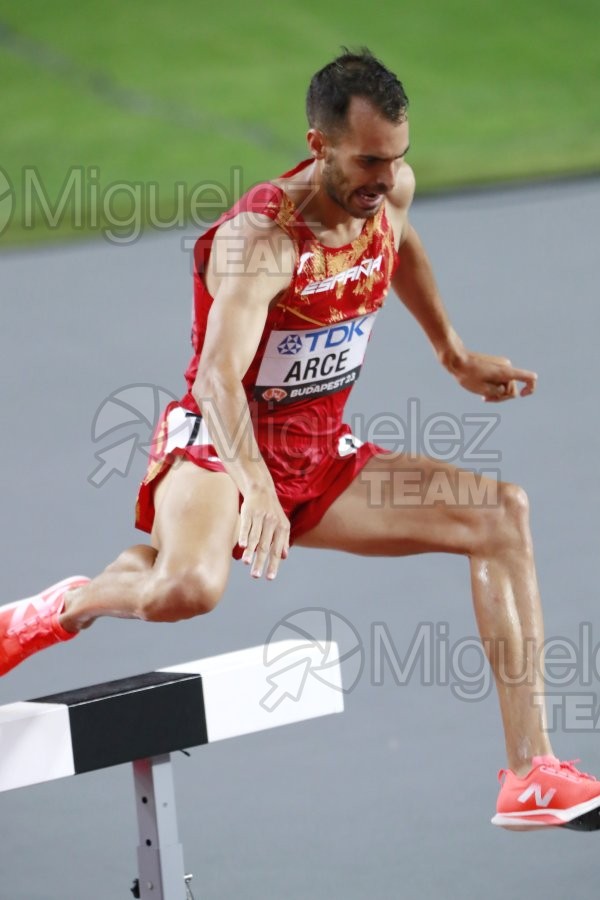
point(393, 798)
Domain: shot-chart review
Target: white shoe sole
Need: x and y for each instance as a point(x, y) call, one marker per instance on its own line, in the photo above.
point(520, 822)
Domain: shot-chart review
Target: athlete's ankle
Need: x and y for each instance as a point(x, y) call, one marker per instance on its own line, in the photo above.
point(69, 618)
point(522, 766)
point(522, 769)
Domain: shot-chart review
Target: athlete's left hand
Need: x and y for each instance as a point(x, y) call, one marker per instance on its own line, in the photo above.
point(494, 378)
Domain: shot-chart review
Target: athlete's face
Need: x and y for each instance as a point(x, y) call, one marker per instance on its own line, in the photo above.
point(360, 164)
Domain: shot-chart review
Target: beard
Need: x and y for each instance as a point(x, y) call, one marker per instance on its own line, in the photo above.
point(339, 189)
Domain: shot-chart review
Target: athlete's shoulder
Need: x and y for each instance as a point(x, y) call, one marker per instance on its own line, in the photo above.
point(252, 229)
point(401, 195)
point(252, 225)
point(398, 202)
point(252, 243)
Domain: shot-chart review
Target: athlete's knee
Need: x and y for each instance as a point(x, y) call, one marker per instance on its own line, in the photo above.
point(505, 523)
point(514, 503)
point(173, 596)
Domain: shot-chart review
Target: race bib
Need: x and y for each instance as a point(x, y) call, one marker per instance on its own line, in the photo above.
point(298, 365)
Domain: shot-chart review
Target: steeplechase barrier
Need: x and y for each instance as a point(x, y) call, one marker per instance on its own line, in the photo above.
point(143, 719)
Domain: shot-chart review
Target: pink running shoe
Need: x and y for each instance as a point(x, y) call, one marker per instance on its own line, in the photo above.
point(32, 624)
point(552, 793)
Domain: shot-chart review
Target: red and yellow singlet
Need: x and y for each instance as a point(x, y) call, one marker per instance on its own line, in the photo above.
point(308, 359)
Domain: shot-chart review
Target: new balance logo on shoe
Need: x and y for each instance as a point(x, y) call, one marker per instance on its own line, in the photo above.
point(24, 611)
point(535, 790)
point(561, 795)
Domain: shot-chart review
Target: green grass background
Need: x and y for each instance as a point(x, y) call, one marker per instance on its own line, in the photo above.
point(157, 92)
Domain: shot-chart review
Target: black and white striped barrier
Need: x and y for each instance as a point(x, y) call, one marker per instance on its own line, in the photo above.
point(144, 718)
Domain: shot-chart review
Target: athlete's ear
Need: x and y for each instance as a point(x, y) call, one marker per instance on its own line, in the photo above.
point(317, 143)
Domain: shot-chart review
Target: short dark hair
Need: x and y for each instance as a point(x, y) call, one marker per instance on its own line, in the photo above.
point(353, 75)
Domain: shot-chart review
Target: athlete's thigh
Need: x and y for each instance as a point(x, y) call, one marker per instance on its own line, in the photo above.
point(399, 505)
point(196, 518)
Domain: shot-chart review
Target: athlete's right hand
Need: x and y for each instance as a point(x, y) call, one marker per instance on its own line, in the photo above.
point(264, 532)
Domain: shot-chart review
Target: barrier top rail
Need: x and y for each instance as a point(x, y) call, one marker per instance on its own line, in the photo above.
point(169, 709)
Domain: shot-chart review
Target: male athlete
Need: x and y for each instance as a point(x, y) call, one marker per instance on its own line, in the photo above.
point(255, 456)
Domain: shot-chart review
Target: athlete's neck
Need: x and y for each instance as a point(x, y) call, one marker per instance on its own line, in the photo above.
point(330, 223)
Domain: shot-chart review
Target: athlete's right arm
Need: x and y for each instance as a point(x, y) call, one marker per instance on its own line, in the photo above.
point(251, 262)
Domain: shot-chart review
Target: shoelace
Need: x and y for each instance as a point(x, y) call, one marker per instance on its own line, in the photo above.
point(568, 765)
point(26, 633)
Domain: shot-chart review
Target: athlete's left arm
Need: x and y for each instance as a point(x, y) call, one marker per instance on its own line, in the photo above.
point(493, 377)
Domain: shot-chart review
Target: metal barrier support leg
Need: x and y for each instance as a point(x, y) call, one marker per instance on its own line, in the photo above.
point(160, 855)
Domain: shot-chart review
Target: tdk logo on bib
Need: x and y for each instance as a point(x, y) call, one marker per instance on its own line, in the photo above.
point(335, 335)
point(290, 345)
